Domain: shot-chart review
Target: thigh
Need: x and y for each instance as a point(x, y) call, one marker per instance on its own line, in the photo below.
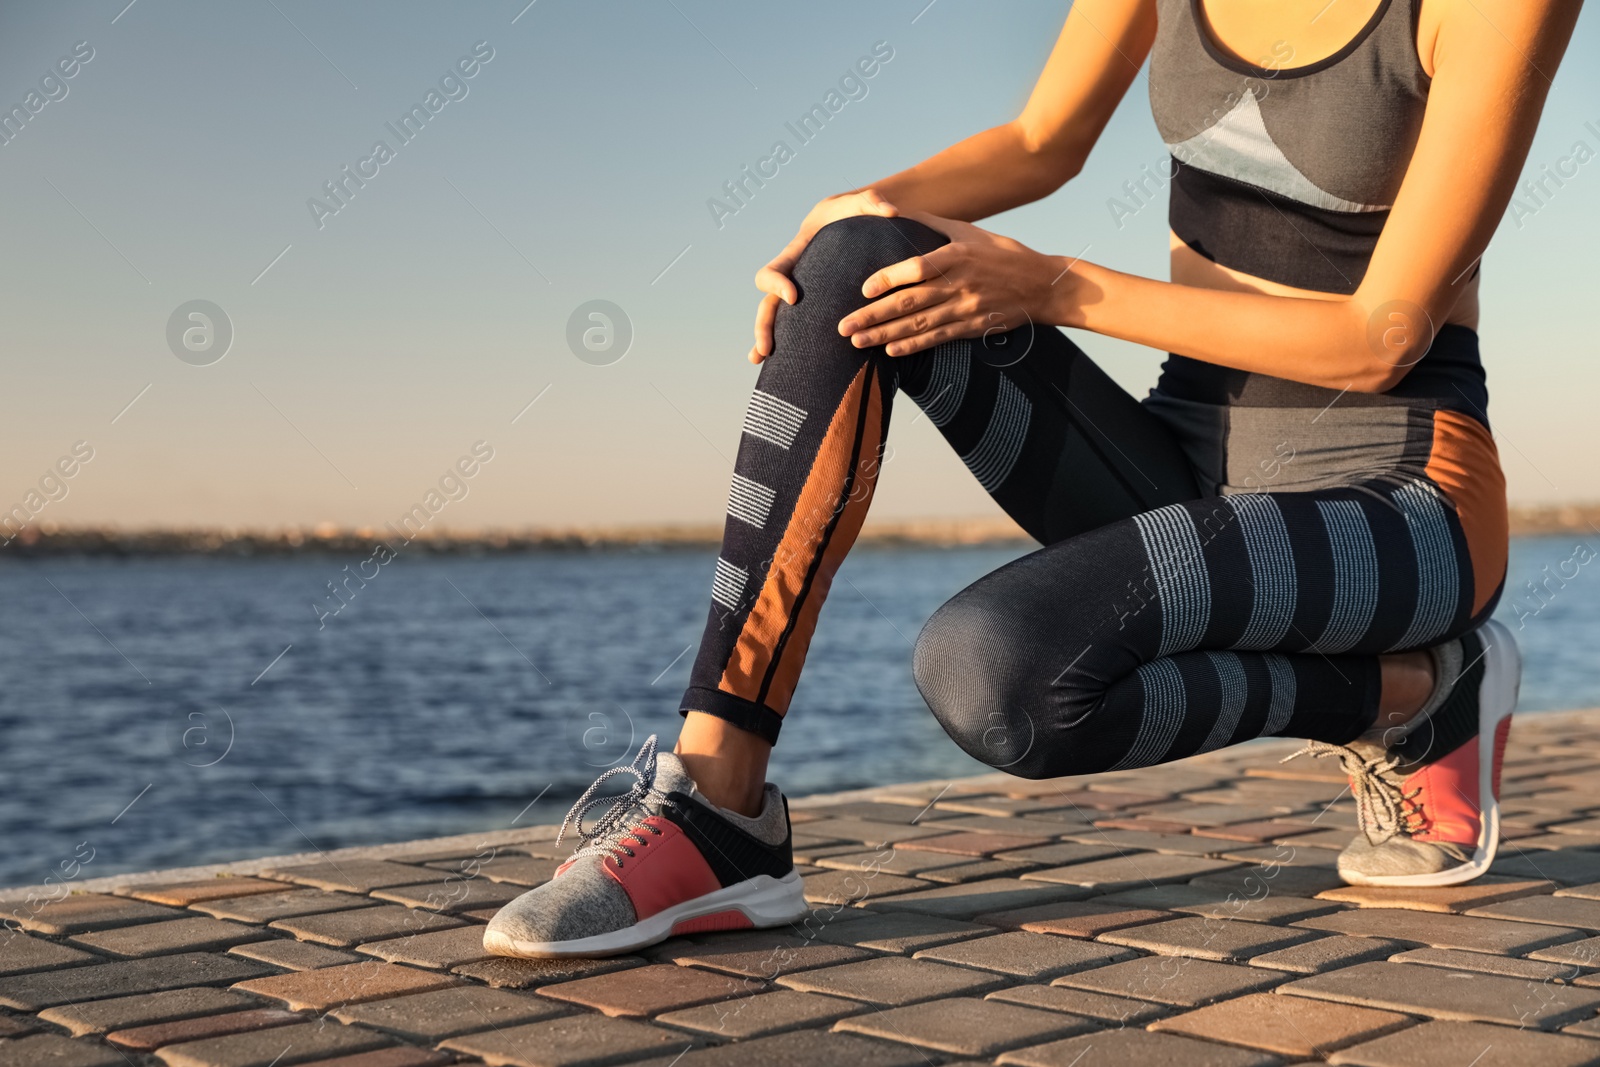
point(1058, 444)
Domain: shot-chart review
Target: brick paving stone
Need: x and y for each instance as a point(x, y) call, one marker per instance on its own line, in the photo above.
point(974, 898)
point(149, 1038)
point(18, 1025)
point(894, 980)
point(852, 887)
point(1259, 832)
point(1073, 918)
point(1172, 980)
point(1488, 963)
point(570, 1041)
point(119, 1013)
point(352, 876)
point(268, 907)
point(1328, 953)
point(973, 843)
point(1147, 841)
point(1587, 892)
point(897, 862)
point(399, 1056)
point(461, 895)
point(977, 871)
point(1127, 872)
point(20, 953)
point(351, 983)
point(1061, 854)
point(438, 950)
point(504, 973)
point(294, 955)
point(1551, 910)
point(1001, 807)
point(1585, 953)
point(1288, 1026)
point(1050, 827)
point(195, 934)
point(1120, 1011)
point(277, 1047)
point(342, 929)
point(806, 1048)
point(1455, 898)
point(1460, 995)
point(650, 990)
point(764, 954)
point(902, 932)
point(183, 894)
point(1442, 931)
point(964, 1026)
point(1263, 906)
point(1135, 1048)
point(44, 989)
point(1105, 799)
point(805, 852)
point(871, 832)
point(82, 912)
point(53, 1050)
point(1288, 854)
point(1450, 1044)
point(433, 1016)
point(1142, 824)
point(1026, 955)
point(1255, 880)
point(1568, 868)
point(875, 811)
point(1204, 814)
point(761, 1015)
point(1223, 940)
point(526, 871)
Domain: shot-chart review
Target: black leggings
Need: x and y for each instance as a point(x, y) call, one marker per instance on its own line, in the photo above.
point(1162, 619)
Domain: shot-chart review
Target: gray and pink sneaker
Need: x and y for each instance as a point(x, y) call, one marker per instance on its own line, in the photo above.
point(661, 860)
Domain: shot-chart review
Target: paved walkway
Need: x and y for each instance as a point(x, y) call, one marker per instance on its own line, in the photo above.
point(1186, 914)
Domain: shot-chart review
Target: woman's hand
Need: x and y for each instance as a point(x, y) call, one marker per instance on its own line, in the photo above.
point(978, 284)
point(774, 280)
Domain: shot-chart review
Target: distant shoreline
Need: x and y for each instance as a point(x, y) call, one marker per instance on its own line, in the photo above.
point(47, 540)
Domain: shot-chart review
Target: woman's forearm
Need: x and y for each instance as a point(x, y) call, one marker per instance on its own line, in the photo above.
point(1338, 343)
point(983, 175)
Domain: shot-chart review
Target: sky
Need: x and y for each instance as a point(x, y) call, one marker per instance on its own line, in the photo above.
point(350, 355)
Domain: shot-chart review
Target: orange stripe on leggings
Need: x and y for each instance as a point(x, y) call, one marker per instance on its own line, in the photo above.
point(785, 585)
point(1465, 464)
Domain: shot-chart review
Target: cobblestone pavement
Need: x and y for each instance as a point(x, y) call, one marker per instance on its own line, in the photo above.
point(1186, 914)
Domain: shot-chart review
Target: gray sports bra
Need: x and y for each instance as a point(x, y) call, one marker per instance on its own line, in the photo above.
point(1287, 172)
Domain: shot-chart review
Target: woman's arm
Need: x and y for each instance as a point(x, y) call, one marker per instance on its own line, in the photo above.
point(1493, 64)
point(1096, 57)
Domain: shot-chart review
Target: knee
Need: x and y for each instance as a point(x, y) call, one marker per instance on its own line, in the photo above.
point(844, 254)
point(987, 691)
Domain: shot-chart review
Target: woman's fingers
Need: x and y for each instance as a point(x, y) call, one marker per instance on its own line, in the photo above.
point(889, 308)
point(766, 314)
point(933, 338)
point(928, 315)
point(907, 272)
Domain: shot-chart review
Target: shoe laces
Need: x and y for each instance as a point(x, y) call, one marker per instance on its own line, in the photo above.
point(610, 832)
point(1384, 808)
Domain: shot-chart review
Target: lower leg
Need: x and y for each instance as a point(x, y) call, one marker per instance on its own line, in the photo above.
point(1408, 679)
point(728, 765)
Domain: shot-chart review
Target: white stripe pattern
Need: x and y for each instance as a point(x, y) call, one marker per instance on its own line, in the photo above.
point(1355, 575)
point(1438, 582)
point(727, 585)
point(750, 502)
point(997, 451)
point(947, 382)
point(1183, 588)
point(1235, 691)
point(1161, 717)
point(774, 420)
point(1281, 707)
point(1272, 571)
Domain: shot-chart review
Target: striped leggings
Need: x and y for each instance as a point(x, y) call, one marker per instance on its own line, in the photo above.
point(1211, 572)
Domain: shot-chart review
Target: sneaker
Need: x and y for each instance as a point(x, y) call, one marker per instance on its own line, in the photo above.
point(661, 860)
point(1427, 792)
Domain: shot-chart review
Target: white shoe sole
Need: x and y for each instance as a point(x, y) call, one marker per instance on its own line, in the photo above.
point(1497, 699)
point(764, 900)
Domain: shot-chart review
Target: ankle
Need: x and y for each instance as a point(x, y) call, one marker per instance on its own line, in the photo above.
point(728, 765)
point(1407, 681)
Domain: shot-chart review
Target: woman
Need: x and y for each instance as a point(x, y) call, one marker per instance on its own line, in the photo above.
point(1300, 532)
